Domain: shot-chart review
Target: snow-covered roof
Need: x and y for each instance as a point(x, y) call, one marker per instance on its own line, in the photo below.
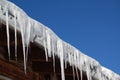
point(33, 31)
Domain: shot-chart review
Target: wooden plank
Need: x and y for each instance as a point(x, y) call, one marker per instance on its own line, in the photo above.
point(14, 72)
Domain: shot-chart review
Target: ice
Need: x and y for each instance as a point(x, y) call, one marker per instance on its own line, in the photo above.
point(60, 54)
point(48, 43)
point(110, 75)
point(45, 47)
point(25, 29)
point(77, 74)
point(23, 42)
point(80, 65)
point(76, 62)
point(8, 35)
point(31, 30)
point(87, 68)
point(27, 37)
point(15, 25)
point(73, 72)
point(53, 53)
point(53, 61)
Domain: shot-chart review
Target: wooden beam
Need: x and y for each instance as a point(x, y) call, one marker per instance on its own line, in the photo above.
point(14, 72)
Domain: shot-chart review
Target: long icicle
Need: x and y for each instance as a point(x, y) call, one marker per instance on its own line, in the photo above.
point(23, 44)
point(77, 73)
point(22, 25)
point(53, 54)
point(44, 43)
point(87, 69)
point(75, 61)
point(48, 40)
point(8, 35)
point(53, 61)
point(28, 37)
point(80, 65)
point(15, 34)
point(73, 72)
point(60, 53)
point(76, 68)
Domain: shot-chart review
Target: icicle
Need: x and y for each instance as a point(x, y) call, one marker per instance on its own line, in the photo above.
point(60, 54)
point(69, 56)
point(99, 73)
point(53, 54)
point(66, 54)
point(73, 72)
point(71, 61)
point(28, 37)
point(48, 43)
point(0, 11)
point(65, 64)
point(53, 62)
point(44, 43)
point(74, 60)
point(75, 55)
point(23, 45)
point(77, 73)
point(22, 25)
point(81, 63)
point(77, 60)
point(15, 33)
point(8, 35)
point(0, 8)
point(87, 69)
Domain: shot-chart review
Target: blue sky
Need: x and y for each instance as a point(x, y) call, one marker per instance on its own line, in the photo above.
point(92, 26)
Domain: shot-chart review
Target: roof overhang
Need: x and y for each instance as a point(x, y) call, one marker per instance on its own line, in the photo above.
point(35, 32)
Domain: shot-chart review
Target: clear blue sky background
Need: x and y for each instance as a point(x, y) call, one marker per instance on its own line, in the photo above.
point(92, 26)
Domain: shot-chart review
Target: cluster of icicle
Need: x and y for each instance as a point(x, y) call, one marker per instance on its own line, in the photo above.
point(33, 31)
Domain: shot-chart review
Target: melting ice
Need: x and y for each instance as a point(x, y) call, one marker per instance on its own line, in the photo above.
point(53, 45)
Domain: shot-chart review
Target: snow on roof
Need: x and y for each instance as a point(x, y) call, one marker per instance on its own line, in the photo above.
point(34, 31)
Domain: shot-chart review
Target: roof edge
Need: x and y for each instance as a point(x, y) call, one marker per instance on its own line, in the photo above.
point(35, 32)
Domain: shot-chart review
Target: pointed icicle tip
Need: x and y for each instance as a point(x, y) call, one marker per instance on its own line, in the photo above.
point(7, 30)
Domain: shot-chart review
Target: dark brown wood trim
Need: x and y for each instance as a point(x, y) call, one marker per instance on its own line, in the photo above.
point(14, 72)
